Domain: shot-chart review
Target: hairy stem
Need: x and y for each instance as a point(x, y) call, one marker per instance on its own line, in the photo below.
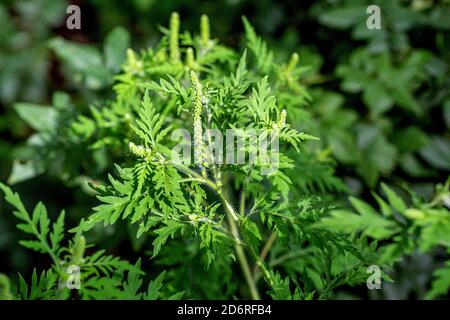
point(244, 190)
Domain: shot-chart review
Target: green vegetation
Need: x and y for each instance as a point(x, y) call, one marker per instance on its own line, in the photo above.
point(362, 119)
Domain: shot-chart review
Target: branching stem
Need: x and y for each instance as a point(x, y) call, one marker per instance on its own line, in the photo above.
point(232, 218)
point(264, 252)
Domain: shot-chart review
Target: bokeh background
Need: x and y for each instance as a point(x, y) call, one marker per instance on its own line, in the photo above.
point(381, 97)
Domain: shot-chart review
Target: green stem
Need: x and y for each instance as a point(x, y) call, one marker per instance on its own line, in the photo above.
point(194, 174)
point(211, 184)
point(243, 260)
point(244, 191)
point(265, 272)
point(231, 218)
point(264, 252)
point(50, 251)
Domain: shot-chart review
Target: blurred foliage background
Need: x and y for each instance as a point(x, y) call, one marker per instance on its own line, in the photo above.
point(381, 98)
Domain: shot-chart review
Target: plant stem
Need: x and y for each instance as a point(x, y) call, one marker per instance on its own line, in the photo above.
point(244, 191)
point(231, 218)
point(266, 274)
point(268, 245)
point(265, 251)
point(211, 184)
point(243, 260)
point(194, 174)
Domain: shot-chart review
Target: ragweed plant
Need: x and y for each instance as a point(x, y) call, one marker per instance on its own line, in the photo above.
point(95, 276)
point(223, 220)
point(227, 209)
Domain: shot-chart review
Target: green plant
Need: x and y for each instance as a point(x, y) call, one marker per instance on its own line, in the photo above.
point(168, 198)
point(251, 230)
point(24, 61)
point(404, 228)
point(102, 276)
point(390, 109)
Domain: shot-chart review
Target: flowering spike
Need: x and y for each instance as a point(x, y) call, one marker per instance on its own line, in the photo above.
point(282, 119)
point(133, 65)
point(161, 55)
point(292, 62)
point(78, 249)
point(173, 41)
point(204, 30)
point(131, 56)
point(190, 60)
point(197, 115)
point(139, 151)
